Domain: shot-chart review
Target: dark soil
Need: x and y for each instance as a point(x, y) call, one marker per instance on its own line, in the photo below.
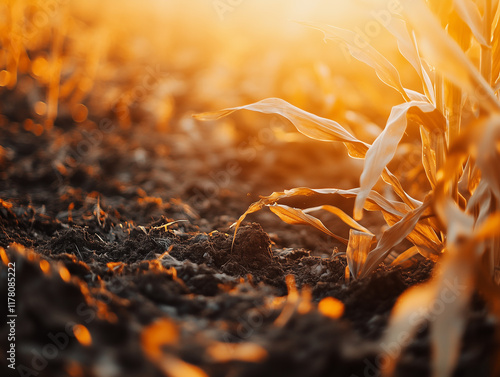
point(142, 227)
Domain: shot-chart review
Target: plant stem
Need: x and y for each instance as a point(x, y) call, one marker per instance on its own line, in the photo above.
point(438, 139)
point(485, 59)
point(438, 88)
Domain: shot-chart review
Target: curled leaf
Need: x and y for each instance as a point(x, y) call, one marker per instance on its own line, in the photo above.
point(404, 259)
point(311, 125)
point(342, 215)
point(383, 149)
point(296, 216)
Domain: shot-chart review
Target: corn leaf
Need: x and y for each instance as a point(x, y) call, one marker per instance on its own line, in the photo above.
point(306, 123)
point(423, 235)
point(291, 215)
point(391, 179)
point(383, 149)
point(405, 258)
point(393, 211)
point(416, 96)
point(495, 50)
point(392, 237)
point(428, 157)
point(342, 215)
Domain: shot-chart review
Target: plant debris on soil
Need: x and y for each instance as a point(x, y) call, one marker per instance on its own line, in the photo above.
point(119, 273)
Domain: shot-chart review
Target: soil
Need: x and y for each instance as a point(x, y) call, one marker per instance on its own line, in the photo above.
point(131, 239)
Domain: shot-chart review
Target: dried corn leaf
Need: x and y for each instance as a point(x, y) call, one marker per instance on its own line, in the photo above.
point(392, 180)
point(459, 224)
point(428, 157)
point(405, 258)
point(392, 237)
point(429, 253)
point(296, 216)
point(484, 206)
point(416, 96)
point(374, 202)
point(357, 251)
point(424, 234)
point(495, 51)
point(306, 123)
point(342, 215)
point(481, 198)
point(442, 52)
point(363, 51)
point(383, 149)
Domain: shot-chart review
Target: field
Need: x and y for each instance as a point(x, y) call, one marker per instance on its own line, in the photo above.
point(347, 225)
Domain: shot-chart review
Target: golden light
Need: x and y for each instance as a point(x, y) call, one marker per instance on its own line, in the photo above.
point(163, 332)
point(175, 367)
point(79, 113)
point(35, 128)
point(296, 301)
point(4, 257)
point(40, 108)
point(331, 307)
point(40, 68)
point(247, 352)
point(74, 369)
point(305, 302)
point(45, 266)
point(4, 77)
point(155, 336)
point(82, 334)
point(64, 274)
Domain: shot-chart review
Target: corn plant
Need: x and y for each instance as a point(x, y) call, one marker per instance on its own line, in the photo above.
point(454, 47)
